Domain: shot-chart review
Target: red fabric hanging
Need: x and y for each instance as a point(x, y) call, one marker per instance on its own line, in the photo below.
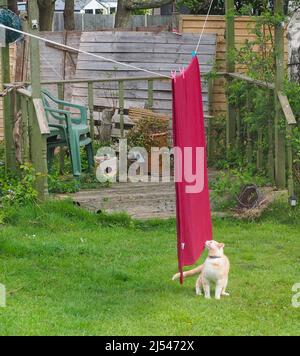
point(194, 225)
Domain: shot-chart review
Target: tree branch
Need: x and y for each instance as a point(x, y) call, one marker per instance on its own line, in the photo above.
point(146, 4)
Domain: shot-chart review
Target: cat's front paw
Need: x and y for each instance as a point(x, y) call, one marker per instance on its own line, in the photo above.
point(225, 294)
point(198, 291)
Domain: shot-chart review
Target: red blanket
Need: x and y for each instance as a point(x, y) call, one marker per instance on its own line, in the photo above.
point(194, 223)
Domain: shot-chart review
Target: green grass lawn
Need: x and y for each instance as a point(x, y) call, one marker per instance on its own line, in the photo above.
point(69, 272)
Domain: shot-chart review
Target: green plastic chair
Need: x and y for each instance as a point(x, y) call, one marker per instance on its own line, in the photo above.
point(68, 130)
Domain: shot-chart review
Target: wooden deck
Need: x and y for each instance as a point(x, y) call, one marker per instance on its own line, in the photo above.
point(139, 200)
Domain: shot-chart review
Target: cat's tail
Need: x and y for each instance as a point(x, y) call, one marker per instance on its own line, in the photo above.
point(190, 273)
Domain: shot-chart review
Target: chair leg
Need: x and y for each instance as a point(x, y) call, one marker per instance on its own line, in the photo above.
point(50, 157)
point(75, 155)
point(90, 157)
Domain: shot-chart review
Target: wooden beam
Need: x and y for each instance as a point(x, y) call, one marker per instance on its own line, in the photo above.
point(286, 108)
point(59, 48)
point(230, 68)
point(41, 116)
point(250, 80)
point(280, 147)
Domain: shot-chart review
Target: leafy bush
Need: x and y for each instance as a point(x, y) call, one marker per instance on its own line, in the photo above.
point(61, 184)
point(228, 185)
point(16, 189)
point(143, 134)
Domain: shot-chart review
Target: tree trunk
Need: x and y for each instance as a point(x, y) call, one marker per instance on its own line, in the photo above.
point(12, 5)
point(125, 7)
point(46, 8)
point(123, 15)
point(69, 17)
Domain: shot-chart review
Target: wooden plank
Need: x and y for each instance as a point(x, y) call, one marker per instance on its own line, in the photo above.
point(252, 81)
point(143, 37)
point(178, 58)
point(286, 108)
point(60, 48)
point(129, 94)
point(41, 116)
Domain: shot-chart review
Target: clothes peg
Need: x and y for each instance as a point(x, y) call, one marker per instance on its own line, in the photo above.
point(182, 72)
point(174, 75)
point(194, 54)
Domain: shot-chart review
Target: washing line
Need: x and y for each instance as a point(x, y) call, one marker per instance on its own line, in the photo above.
point(204, 27)
point(102, 57)
point(84, 52)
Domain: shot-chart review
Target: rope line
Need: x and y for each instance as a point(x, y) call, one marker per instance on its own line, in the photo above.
point(102, 57)
point(84, 52)
point(204, 26)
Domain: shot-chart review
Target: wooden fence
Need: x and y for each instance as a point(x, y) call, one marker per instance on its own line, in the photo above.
point(216, 24)
point(90, 22)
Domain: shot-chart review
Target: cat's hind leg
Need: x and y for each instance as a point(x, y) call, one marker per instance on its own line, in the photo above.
point(206, 287)
point(219, 288)
point(224, 293)
point(199, 286)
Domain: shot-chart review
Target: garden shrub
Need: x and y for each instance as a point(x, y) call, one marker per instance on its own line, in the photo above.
point(16, 189)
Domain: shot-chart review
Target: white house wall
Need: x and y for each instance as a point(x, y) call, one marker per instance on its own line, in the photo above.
point(95, 5)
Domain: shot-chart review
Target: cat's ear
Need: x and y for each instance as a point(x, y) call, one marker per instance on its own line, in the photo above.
point(221, 246)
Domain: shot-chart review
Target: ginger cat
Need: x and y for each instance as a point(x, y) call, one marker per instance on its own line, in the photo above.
point(214, 270)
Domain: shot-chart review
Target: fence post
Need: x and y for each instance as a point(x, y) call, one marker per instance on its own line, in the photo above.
point(121, 107)
point(290, 161)
point(249, 152)
point(230, 68)
point(61, 96)
point(260, 152)
point(38, 141)
point(10, 155)
point(91, 108)
point(280, 148)
point(271, 162)
point(150, 94)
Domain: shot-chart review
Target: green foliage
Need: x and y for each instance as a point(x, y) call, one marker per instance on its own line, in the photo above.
point(143, 134)
point(254, 105)
point(63, 184)
point(66, 183)
point(242, 7)
point(228, 184)
point(18, 189)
